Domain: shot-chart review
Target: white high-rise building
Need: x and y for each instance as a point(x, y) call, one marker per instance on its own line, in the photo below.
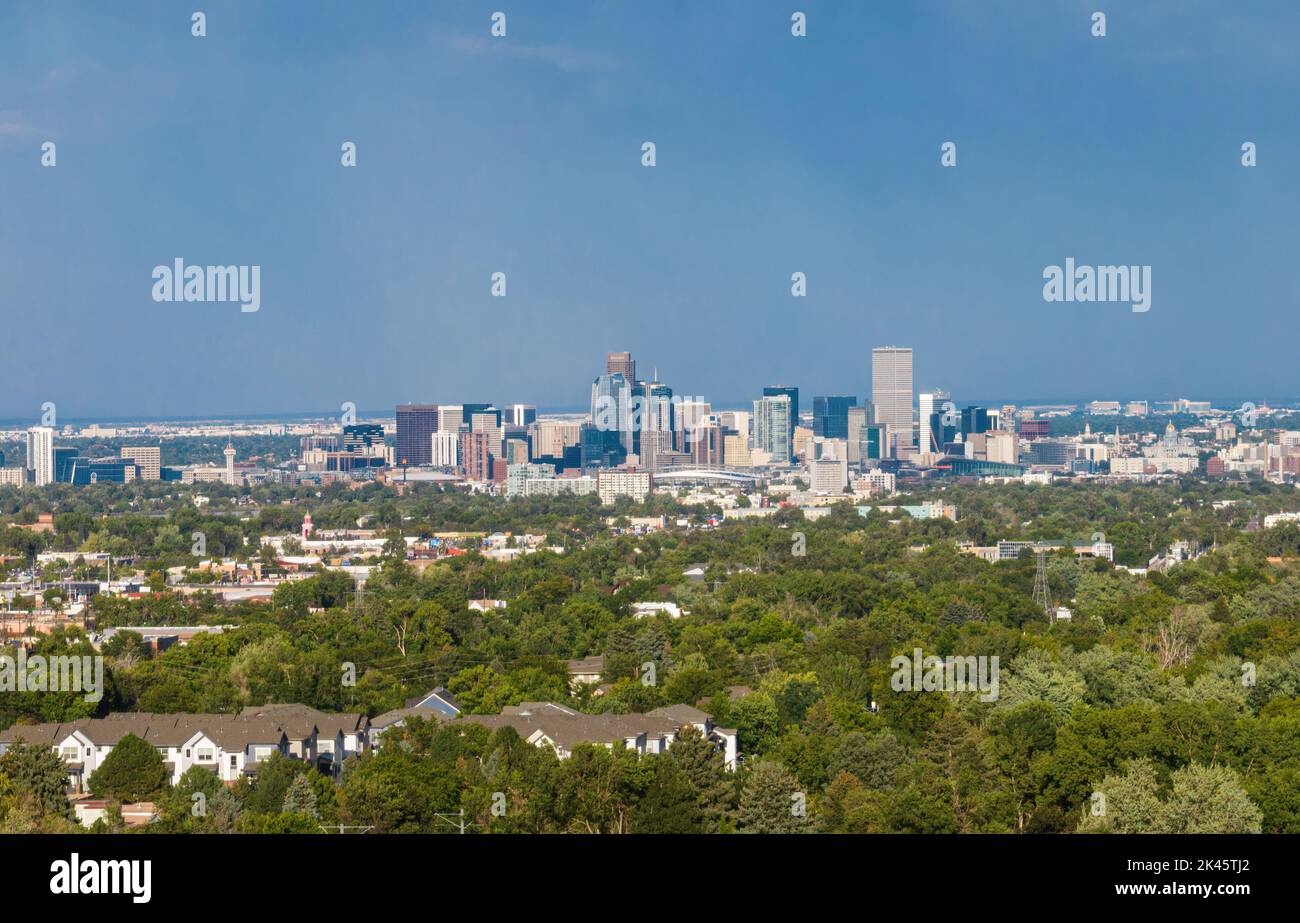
point(523, 414)
point(930, 404)
point(450, 417)
point(445, 450)
point(927, 405)
point(891, 393)
point(828, 475)
point(230, 463)
point(40, 454)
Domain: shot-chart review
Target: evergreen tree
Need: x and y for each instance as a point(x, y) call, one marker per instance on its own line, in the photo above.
point(669, 803)
point(38, 772)
point(301, 797)
point(772, 802)
point(702, 765)
point(132, 771)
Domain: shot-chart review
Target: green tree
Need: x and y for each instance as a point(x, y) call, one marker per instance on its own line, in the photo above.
point(708, 777)
point(301, 797)
point(38, 772)
point(132, 771)
point(669, 804)
point(772, 802)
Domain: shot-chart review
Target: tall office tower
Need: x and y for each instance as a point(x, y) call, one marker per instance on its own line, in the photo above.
point(476, 457)
point(1004, 447)
point(875, 443)
point(319, 441)
point(468, 411)
point(831, 416)
point(791, 392)
point(856, 422)
point(230, 463)
point(552, 437)
point(598, 448)
point(656, 412)
point(623, 364)
point(738, 421)
point(690, 416)
point(931, 403)
point(611, 409)
point(891, 392)
point(522, 414)
point(488, 420)
point(416, 424)
point(40, 454)
point(515, 451)
point(360, 437)
point(735, 449)
point(943, 433)
point(926, 405)
point(974, 420)
point(655, 443)
point(1007, 418)
point(450, 417)
point(148, 458)
point(772, 428)
point(705, 442)
point(444, 450)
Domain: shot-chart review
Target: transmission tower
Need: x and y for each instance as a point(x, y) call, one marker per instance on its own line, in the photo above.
point(1042, 597)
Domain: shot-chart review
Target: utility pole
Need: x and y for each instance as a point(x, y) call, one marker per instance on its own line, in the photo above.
point(459, 822)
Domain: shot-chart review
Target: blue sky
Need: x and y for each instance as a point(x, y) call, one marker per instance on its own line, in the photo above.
point(522, 155)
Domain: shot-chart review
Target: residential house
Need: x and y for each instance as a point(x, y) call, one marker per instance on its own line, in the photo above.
point(585, 671)
point(323, 738)
point(438, 705)
point(548, 724)
point(227, 745)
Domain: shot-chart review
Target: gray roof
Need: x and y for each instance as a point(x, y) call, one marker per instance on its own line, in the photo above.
point(230, 732)
point(685, 714)
point(569, 728)
point(594, 664)
point(299, 720)
point(389, 718)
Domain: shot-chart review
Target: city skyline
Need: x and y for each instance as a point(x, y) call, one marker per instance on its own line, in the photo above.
point(522, 155)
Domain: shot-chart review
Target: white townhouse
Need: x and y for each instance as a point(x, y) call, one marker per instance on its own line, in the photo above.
point(548, 724)
point(231, 746)
point(324, 739)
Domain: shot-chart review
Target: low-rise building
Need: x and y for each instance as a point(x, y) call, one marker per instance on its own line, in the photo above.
point(548, 724)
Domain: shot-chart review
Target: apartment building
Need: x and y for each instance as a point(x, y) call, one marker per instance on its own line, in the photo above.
point(614, 484)
point(147, 458)
point(548, 724)
point(232, 746)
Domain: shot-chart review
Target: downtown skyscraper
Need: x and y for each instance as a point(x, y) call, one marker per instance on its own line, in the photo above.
point(772, 427)
point(416, 424)
point(891, 392)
